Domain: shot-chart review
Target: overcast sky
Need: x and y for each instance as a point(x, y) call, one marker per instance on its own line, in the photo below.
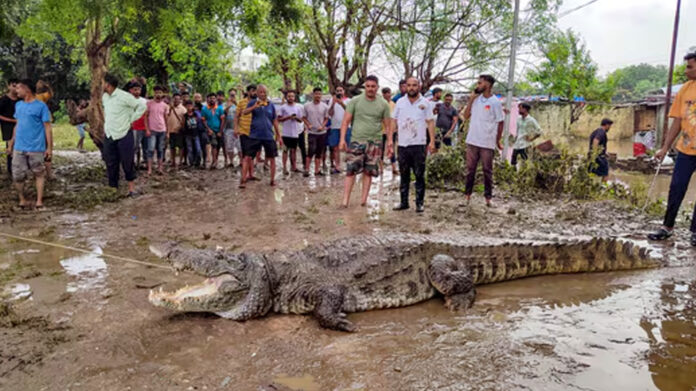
point(625, 32)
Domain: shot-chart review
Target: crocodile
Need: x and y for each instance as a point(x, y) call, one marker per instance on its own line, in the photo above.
point(379, 271)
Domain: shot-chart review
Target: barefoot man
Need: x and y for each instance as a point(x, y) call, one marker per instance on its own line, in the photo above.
point(367, 113)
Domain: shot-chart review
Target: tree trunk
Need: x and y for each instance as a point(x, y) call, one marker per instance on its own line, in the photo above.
point(98, 61)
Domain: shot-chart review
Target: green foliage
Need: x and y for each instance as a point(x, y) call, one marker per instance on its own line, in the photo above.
point(635, 81)
point(568, 70)
point(446, 168)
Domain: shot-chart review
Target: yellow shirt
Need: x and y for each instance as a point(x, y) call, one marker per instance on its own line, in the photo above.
point(684, 107)
point(244, 120)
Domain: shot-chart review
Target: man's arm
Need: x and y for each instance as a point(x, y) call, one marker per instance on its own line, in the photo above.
point(454, 126)
point(8, 119)
point(469, 104)
point(222, 121)
point(166, 123)
point(499, 136)
point(48, 128)
point(431, 130)
point(251, 108)
point(347, 119)
point(672, 134)
point(10, 144)
point(279, 137)
point(331, 108)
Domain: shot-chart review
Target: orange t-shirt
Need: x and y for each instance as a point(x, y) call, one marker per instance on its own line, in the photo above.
point(684, 107)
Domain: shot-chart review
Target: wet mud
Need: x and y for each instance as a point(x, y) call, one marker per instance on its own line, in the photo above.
point(81, 321)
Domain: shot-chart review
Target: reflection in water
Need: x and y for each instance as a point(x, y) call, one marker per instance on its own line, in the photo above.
point(17, 292)
point(89, 270)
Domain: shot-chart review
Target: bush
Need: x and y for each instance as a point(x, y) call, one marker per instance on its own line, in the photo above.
point(446, 168)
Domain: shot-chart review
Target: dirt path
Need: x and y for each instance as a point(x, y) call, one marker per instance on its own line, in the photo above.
point(88, 325)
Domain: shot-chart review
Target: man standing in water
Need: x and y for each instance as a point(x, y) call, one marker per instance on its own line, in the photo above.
point(413, 116)
point(367, 113)
point(598, 141)
point(485, 114)
point(683, 114)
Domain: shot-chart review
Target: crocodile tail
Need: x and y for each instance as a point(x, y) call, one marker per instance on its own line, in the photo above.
point(514, 260)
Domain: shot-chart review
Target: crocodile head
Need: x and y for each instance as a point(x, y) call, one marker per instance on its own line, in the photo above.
point(242, 292)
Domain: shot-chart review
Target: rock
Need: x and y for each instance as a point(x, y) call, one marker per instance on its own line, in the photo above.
point(225, 381)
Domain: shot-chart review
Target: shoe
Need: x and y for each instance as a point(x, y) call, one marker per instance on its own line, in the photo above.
point(286, 172)
point(400, 207)
point(489, 203)
point(335, 171)
point(420, 209)
point(132, 194)
point(663, 234)
point(305, 174)
point(693, 239)
point(320, 173)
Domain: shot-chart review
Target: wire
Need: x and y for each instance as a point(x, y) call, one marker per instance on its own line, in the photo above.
point(116, 257)
point(570, 11)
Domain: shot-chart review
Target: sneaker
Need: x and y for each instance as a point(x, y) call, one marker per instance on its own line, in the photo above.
point(693, 239)
point(335, 171)
point(420, 209)
point(400, 207)
point(663, 234)
point(132, 194)
point(305, 174)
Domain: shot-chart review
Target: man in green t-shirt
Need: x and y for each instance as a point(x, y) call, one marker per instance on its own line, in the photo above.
point(366, 113)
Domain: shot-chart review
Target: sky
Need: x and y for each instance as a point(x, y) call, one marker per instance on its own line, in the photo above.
point(624, 32)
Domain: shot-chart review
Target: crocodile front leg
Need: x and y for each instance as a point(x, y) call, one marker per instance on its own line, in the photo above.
point(328, 309)
point(454, 282)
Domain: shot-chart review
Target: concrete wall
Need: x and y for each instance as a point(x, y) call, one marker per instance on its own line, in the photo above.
point(554, 119)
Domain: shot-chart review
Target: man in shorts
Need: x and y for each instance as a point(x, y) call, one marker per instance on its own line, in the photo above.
point(316, 117)
point(32, 142)
point(213, 115)
point(290, 115)
point(367, 113)
point(264, 126)
point(175, 121)
point(336, 111)
point(242, 129)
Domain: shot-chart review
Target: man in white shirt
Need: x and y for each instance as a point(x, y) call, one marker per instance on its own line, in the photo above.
point(413, 117)
point(337, 109)
point(290, 115)
point(485, 114)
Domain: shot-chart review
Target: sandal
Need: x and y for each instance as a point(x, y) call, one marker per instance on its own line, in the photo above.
point(662, 234)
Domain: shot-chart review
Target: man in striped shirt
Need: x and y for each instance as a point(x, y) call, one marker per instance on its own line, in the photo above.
point(242, 130)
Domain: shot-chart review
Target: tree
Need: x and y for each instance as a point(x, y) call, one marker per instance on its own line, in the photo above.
point(569, 72)
point(343, 34)
point(446, 41)
point(635, 81)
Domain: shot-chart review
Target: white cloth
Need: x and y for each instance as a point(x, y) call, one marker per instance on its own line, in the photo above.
point(291, 128)
point(411, 120)
point(338, 113)
point(486, 113)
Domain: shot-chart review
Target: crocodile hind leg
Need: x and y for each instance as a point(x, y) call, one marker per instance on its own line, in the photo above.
point(454, 282)
point(328, 309)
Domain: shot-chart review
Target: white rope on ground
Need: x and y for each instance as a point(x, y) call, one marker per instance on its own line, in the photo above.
point(81, 250)
point(652, 185)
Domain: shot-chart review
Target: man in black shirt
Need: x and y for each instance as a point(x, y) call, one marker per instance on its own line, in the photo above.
point(447, 119)
point(598, 141)
point(7, 120)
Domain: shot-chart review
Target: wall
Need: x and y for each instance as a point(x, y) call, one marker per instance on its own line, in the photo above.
point(554, 119)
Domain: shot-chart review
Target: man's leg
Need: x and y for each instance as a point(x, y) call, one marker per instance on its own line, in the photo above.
point(126, 158)
point(347, 188)
point(9, 160)
point(151, 144)
point(293, 159)
point(405, 169)
point(302, 143)
point(418, 162)
point(111, 160)
point(172, 149)
point(683, 170)
point(472, 159)
point(366, 183)
point(513, 161)
point(19, 174)
point(487, 163)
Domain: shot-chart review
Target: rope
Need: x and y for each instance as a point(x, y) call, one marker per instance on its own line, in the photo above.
point(652, 185)
point(81, 250)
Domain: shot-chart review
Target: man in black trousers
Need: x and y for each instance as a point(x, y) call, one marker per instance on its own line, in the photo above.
point(413, 117)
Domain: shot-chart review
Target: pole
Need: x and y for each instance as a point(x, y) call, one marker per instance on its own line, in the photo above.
point(511, 80)
point(668, 96)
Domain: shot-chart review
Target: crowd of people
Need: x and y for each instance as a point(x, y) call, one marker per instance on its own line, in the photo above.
point(354, 134)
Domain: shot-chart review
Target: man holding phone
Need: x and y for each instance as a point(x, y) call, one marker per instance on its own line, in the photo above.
point(337, 110)
point(485, 114)
point(290, 115)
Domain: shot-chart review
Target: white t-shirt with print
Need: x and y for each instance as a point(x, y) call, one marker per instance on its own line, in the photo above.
point(411, 120)
point(486, 113)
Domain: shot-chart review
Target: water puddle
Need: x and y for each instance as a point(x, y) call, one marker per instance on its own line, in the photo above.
point(89, 271)
point(16, 292)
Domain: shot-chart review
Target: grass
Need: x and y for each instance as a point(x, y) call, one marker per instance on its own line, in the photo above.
point(65, 137)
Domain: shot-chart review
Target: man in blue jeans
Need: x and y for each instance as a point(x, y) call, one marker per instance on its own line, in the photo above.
point(683, 114)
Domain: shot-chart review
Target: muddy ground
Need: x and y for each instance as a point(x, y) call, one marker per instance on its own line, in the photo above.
point(82, 322)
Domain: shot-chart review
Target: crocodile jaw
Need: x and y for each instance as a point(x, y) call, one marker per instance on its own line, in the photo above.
point(213, 295)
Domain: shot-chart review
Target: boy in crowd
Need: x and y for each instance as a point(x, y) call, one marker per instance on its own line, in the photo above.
point(214, 121)
point(156, 129)
point(81, 108)
point(32, 141)
point(290, 115)
point(7, 120)
point(316, 117)
point(336, 111)
point(232, 143)
point(175, 121)
point(141, 138)
point(193, 126)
